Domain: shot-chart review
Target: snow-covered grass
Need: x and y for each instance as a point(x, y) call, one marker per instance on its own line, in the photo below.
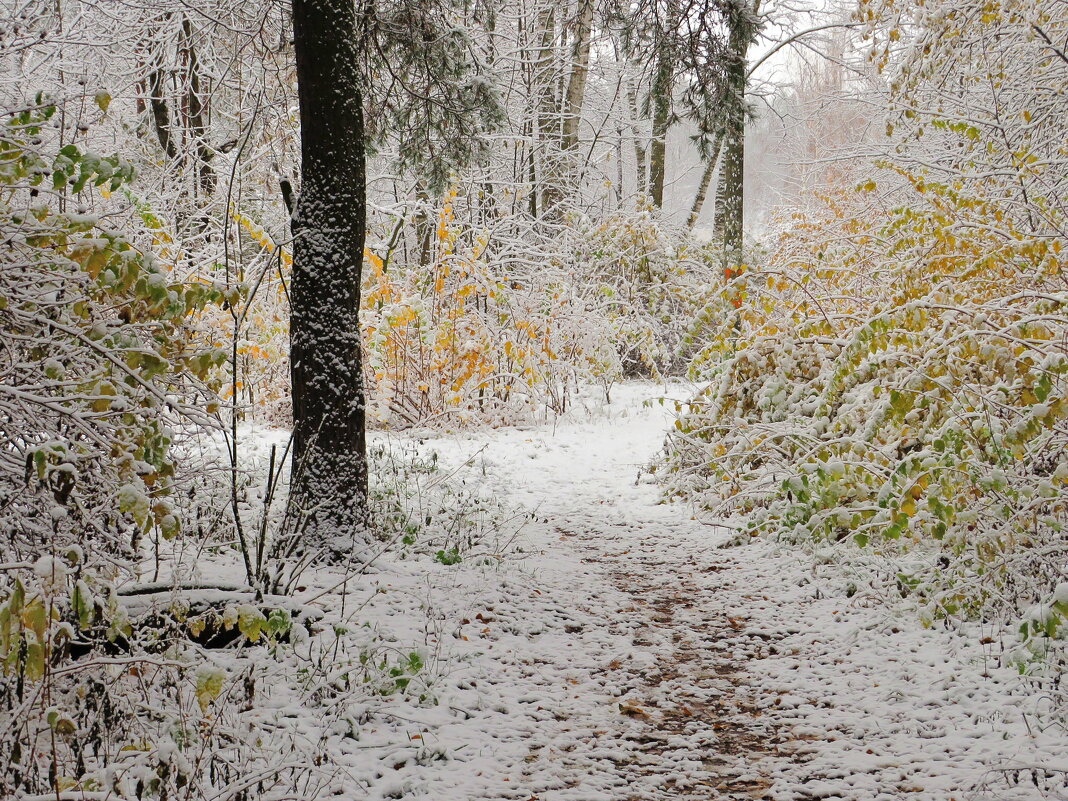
point(623, 649)
point(587, 642)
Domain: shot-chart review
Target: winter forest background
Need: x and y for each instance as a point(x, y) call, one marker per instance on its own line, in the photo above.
point(831, 232)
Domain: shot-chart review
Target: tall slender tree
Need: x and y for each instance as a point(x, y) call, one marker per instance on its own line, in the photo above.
point(580, 68)
point(660, 101)
point(682, 45)
point(711, 163)
point(329, 227)
point(740, 17)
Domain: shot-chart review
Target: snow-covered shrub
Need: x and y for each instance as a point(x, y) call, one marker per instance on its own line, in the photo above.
point(494, 329)
point(102, 367)
point(899, 382)
point(100, 360)
point(652, 284)
point(896, 376)
point(474, 337)
point(463, 339)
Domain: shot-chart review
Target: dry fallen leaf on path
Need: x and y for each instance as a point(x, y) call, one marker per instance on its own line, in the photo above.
point(633, 710)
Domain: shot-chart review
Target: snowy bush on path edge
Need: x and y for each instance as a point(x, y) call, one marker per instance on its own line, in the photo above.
point(895, 377)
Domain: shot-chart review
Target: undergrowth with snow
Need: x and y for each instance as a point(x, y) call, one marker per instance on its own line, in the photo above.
point(892, 389)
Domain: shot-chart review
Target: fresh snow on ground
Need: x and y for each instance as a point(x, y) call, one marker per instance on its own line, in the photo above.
point(618, 648)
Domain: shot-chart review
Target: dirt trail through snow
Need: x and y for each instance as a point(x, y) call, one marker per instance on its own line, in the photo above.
point(663, 710)
point(630, 655)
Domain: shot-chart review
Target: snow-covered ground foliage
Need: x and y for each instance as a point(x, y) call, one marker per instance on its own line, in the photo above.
point(894, 376)
point(832, 564)
point(579, 639)
point(168, 676)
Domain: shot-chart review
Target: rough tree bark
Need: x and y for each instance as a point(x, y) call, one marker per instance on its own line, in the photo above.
point(161, 117)
point(660, 97)
point(329, 488)
point(194, 108)
point(729, 201)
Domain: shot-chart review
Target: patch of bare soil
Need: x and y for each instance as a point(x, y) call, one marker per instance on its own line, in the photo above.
point(699, 684)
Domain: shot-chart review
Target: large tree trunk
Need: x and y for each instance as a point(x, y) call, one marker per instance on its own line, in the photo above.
point(661, 102)
point(729, 202)
point(329, 488)
point(580, 67)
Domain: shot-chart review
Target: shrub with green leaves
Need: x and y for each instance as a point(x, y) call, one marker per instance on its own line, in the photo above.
point(895, 377)
point(101, 368)
point(913, 408)
point(100, 358)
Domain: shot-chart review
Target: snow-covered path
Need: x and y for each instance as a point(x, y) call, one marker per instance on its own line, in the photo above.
point(634, 651)
point(629, 654)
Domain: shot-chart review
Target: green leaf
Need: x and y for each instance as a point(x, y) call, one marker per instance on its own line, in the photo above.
point(1043, 388)
point(5, 631)
point(279, 623)
point(209, 686)
point(449, 557)
point(250, 622)
point(35, 661)
point(18, 598)
point(35, 618)
point(82, 602)
point(170, 526)
point(79, 184)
